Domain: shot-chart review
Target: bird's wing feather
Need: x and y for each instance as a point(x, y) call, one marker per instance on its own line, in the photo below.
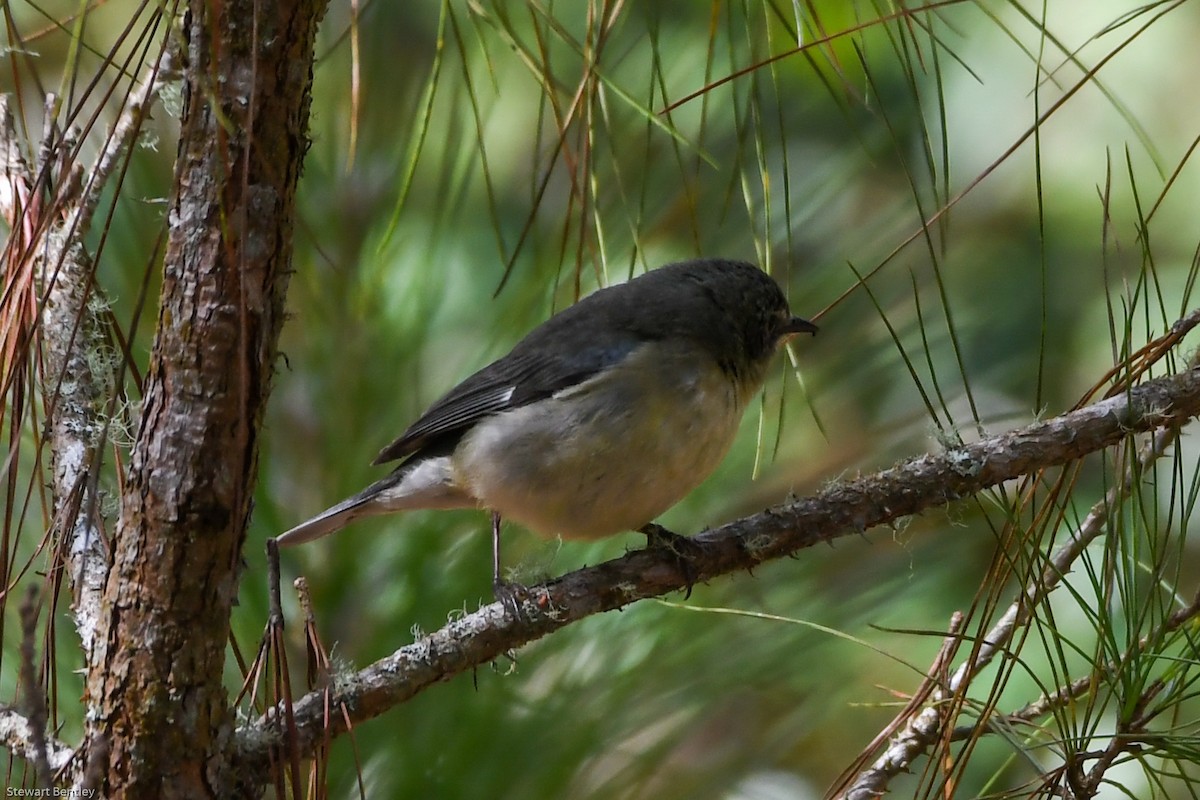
point(527, 374)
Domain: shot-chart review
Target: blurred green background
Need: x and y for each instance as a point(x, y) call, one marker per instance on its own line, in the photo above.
point(477, 165)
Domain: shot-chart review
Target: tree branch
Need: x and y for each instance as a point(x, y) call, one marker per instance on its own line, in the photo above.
point(1063, 695)
point(78, 380)
point(17, 736)
point(922, 730)
point(841, 509)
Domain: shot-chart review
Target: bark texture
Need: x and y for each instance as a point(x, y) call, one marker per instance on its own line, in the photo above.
point(159, 724)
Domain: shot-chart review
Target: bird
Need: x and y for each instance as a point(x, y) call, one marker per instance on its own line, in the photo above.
point(599, 419)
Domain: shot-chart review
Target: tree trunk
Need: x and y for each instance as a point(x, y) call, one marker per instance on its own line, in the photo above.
point(159, 723)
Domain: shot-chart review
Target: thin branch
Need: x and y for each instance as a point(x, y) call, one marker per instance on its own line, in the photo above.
point(79, 378)
point(850, 507)
point(1061, 696)
point(128, 126)
point(75, 388)
point(35, 697)
point(16, 735)
point(15, 178)
point(925, 728)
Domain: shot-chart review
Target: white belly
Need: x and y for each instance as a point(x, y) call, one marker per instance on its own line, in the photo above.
point(609, 455)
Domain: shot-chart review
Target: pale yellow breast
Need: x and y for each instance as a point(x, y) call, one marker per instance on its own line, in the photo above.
point(608, 455)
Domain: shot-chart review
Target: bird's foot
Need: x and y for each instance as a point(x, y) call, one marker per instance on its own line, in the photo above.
point(512, 596)
point(683, 548)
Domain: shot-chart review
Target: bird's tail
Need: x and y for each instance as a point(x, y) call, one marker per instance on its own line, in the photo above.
point(427, 483)
point(366, 503)
point(328, 521)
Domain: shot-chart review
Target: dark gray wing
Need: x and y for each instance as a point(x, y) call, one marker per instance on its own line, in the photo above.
point(551, 358)
point(678, 300)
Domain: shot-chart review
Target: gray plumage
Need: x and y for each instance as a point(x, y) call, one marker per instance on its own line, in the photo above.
point(599, 419)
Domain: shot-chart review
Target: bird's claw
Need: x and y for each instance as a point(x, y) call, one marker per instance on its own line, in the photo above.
point(683, 548)
point(512, 596)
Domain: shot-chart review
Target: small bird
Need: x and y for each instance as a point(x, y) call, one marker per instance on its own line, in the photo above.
point(600, 419)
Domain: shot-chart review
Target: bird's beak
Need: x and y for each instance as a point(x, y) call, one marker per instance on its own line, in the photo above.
point(794, 326)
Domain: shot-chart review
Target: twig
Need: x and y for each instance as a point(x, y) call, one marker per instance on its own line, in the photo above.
point(1077, 688)
point(273, 592)
point(846, 508)
point(932, 691)
point(124, 131)
point(15, 178)
point(17, 736)
point(924, 728)
point(77, 378)
point(35, 698)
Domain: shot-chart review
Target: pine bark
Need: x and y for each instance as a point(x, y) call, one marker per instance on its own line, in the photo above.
point(159, 723)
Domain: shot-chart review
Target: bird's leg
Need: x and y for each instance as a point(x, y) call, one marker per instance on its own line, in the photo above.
point(509, 594)
point(496, 579)
point(658, 536)
point(683, 548)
